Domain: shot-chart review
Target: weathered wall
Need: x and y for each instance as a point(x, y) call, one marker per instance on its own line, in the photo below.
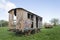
point(11, 17)
point(21, 16)
point(39, 23)
point(34, 21)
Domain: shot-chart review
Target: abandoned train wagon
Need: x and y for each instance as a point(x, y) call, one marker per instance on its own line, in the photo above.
point(21, 20)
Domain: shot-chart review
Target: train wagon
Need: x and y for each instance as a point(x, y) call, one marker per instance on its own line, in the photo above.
point(23, 21)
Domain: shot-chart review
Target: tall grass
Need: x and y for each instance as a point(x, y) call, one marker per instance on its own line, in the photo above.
point(45, 34)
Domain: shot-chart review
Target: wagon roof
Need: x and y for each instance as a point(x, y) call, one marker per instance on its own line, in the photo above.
point(24, 10)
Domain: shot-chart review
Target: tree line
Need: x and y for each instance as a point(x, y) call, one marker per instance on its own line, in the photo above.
point(3, 23)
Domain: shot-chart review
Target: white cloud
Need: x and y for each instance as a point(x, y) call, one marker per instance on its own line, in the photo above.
point(5, 5)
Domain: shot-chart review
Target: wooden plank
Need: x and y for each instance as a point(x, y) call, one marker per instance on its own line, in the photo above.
point(11, 19)
point(34, 21)
point(18, 19)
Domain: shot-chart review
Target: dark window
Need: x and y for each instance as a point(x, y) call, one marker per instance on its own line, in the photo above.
point(40, 19)
point(15, 12)
point(32, 25)
point(32, 17)
point(37, 22)
point(28, 15)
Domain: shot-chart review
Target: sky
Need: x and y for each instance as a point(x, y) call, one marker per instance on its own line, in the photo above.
point(47, 9)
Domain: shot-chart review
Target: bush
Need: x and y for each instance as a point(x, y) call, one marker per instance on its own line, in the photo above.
point(48, 26)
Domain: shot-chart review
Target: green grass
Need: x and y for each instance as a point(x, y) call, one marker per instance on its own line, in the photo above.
point(45, 34)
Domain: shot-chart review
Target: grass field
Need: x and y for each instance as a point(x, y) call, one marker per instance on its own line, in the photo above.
point(45, 34)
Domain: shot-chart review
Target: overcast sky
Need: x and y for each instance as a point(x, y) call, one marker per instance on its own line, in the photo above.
point(48, 9)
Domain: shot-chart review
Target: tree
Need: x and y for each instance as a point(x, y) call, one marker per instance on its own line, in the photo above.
point(3, 23)
point(54, 21)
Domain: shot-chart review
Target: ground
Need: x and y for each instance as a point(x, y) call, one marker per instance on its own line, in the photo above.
point(45, 34)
